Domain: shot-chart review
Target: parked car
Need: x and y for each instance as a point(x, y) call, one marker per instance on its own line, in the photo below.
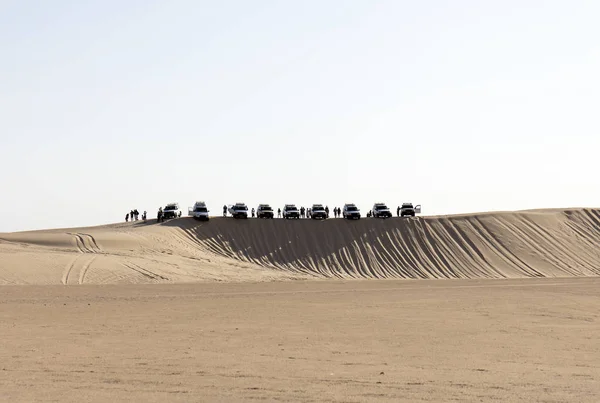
point(318, 212)
point(238, 210)
point(171, 210)
point(199, 211)
point(350, 211)
point(264, 211)
point(290, 211)
point(381, 210)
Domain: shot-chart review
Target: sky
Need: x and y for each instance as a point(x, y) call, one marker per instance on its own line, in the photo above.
point(460, 106)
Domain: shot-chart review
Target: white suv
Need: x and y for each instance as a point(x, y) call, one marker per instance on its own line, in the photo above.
point(239, 210)
point(380, 210)
point(290, 211)
point(318, 211)
point(350, 211)
point(171, 210)
point(199, 211)
point(408, 209)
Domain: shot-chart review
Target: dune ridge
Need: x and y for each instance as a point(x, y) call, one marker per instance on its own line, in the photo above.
point(533, 243)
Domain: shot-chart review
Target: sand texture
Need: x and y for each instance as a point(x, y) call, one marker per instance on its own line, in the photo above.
point(185, 311)
point(541, 243)
point(523, 340)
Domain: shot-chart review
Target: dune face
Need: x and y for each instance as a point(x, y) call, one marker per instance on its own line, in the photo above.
point(542, 243)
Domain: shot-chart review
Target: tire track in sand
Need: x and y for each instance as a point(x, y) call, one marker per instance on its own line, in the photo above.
point(85, 268)
point(86, 245)
point(91, 243)
point(144, 272)
point(82, 263)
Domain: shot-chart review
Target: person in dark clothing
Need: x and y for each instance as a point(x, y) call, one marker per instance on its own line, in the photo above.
point(278, 213)
point(127, 217)
point(224, 210)
point(398, 211)
point(302, 211)
point(327, 211)
point(253, 211)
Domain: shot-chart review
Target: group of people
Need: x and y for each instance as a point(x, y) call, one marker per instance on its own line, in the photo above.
point(134, 215)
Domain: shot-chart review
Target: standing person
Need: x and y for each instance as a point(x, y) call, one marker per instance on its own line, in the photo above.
point(224, 210)
point(127, 217)
point(131, 215)
point(309, 214)
point(278, 213)
point(398, 211)
point(327, 211)
point(144, 216)
point(302, 212)
point(253, 212)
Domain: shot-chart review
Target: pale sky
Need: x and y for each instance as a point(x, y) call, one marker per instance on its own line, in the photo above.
point(460, 106)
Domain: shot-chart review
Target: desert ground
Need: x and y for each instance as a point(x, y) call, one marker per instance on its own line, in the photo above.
point(480, 307)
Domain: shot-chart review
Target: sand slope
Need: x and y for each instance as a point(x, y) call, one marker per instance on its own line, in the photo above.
point(537, 243)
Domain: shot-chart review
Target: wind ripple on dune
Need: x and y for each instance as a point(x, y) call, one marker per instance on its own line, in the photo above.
point(490, 245)
point(541, 243)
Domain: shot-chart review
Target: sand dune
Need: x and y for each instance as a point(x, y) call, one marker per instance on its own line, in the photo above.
point(534, 243)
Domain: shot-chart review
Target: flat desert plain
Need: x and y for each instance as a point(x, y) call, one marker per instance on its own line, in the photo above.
point(485, 307)
point(529, 340)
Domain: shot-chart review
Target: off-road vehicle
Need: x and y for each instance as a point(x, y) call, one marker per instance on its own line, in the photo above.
point(290, 211)
point(317, 212)
point(407, 209)
point(171, 210)
point(380, 210)
point(350, 211)
point(238, 210)
point(264, 211)
point(199, 211)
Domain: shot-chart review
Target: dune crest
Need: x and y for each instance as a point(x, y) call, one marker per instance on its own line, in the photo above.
point(535, 243)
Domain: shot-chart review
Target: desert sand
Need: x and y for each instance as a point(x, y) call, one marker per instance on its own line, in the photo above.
point(543, 243)
point(483, 307)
